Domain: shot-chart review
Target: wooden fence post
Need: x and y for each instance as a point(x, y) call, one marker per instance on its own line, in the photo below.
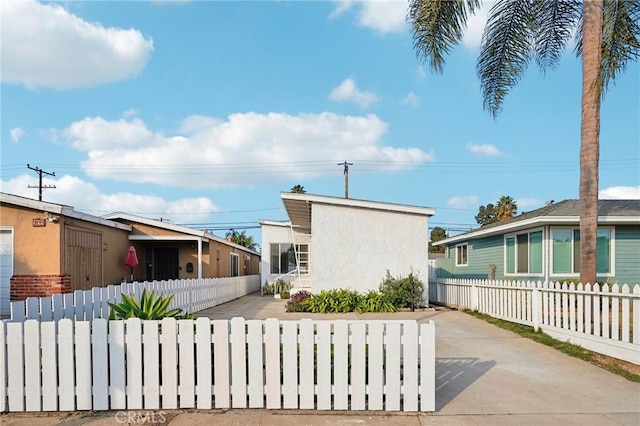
point(536, 306)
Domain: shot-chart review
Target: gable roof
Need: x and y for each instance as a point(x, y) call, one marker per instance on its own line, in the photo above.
point(563, 212)
point(59, 209)
point(195, 234)
point(299, 206)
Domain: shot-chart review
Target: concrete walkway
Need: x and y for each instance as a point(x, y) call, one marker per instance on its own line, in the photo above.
point(484, 376)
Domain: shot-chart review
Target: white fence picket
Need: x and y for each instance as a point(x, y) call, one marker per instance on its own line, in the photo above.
point(187, 387)
point(238, 360)
point(203, 364)
point(323, 368)
point(169, 389)
point(410, 345)
point(256, 362)
point(117, 381)
point(392, 367)
point(340, 365)
point(358, 389)
point(151, 362)
point(3, 367)
point(32, 366)
point(427, 367)
point(48, 332)
point(82, 332)
point(376, 366)
point(66, 368)
point(221, 364)
point(15, 366)
point(307, 364)
point(100, 361)
point(289, 364)
point(272, 359)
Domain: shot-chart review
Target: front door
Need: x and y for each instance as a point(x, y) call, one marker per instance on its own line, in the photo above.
point(165, 263)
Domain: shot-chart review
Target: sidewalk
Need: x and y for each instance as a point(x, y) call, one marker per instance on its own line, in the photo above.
point(484, 376)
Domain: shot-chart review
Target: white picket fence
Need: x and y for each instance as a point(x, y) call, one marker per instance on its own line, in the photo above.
point(190, 295)
point(133, 364)
point(602, 318)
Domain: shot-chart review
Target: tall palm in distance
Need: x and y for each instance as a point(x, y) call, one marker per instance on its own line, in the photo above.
point(506, 208)
point(298, 189)
point(242, 239)
point(519, 31)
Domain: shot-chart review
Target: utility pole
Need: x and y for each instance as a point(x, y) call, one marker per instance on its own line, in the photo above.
point(40, 186)
point(346, 177)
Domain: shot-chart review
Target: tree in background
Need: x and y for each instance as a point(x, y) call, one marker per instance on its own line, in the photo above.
point(506, 208)
point(437, 234)
point(521, 31)
point(242, 239)
point(298, 189)
point(486, 215)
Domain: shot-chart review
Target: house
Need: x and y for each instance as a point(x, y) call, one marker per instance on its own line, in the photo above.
point(544, 245)
point(169, 251)
point(333, 242)
point(48, 248)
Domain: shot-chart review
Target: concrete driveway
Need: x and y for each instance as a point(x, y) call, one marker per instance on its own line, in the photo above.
point(484, 376)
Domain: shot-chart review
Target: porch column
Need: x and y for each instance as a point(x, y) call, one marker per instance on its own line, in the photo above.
point(199, 257)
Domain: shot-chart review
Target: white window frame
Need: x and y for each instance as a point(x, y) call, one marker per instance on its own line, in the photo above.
point(515, 235)
point(612, 251)
point(458, 264)
point(296, 251)
point(231, 257)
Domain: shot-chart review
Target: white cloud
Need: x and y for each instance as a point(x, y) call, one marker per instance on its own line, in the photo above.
point(43, 45)
point(384, 16)
point(411, 99)
point(131, 112)
point(620, 193)
point(85, 196)
point(348, 91)
point(463, 202)
point(420, 72)
point(487, 150)
point(16, 134)
point(475, 26)
point(241, 150)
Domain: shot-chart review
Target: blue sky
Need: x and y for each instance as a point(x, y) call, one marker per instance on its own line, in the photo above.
point(203, 112)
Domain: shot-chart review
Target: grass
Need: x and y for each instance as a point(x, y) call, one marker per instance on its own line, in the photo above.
point(613, 365)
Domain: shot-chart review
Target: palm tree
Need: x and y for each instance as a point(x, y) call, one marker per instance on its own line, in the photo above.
point(506, 208)
point(519, 31)
point(298, 189)
point(242, 239)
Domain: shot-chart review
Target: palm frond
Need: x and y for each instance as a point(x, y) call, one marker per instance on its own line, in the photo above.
point(506, 50)
point(438, 26)
point(556, 20)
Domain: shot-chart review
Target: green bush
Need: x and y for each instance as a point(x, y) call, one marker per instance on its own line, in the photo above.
point(267, 289)
point(374, 301)
point(149, 307)
point(334, 301)
point(402, 292)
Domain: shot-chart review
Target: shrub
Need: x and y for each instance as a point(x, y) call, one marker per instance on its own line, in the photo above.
point(402, 292)
point(150, 307)
point(284, 294)
point(267, 289)
point(374, 301)
point(281, 286)
point(298, 302)
point(334, 301)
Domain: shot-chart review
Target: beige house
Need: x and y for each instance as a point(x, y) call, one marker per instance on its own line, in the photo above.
point(47, 248)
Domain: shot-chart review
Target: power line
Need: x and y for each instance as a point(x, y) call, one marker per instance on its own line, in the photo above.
point(40, 186)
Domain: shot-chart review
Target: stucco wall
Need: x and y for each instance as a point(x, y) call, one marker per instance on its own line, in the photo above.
point(36, 249)
point(353, 248)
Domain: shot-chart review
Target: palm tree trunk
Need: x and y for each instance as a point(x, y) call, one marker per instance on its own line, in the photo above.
point(590, 138)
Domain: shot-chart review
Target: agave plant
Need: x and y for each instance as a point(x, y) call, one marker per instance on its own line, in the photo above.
point(149, 307)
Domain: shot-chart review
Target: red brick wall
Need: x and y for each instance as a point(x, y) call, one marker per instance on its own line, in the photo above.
point(23, 286)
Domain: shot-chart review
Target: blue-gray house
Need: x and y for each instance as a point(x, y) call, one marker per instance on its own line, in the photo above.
point(544, 244)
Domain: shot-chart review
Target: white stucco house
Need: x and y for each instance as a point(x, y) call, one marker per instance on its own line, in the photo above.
point(334, 242)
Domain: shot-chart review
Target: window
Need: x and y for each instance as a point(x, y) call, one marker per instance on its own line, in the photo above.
point(524, 253)
point(461, 255)
point(235, 265)
point(566, 251)
point(283, 258)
